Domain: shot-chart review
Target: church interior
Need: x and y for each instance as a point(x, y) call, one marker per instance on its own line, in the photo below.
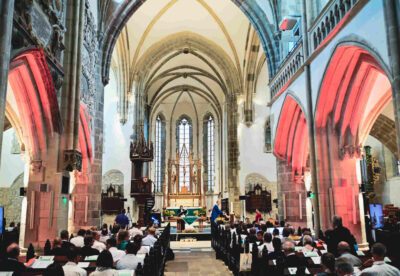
point(258, 137)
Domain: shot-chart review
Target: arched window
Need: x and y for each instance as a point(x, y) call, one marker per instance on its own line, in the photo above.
point(184, 143)
point(267, 137)
point(209, 151)
point(159, 155)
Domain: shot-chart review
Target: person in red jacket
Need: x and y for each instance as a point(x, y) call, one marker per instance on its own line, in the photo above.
point(258, 216)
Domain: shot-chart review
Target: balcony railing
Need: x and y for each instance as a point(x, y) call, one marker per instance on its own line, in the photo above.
point(328, 19)
point(289, 66)
point(324, 24)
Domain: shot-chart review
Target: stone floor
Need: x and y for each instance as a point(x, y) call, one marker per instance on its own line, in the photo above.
point(195, 259)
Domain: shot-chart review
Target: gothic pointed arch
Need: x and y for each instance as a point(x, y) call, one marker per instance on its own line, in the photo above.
point(38, 112)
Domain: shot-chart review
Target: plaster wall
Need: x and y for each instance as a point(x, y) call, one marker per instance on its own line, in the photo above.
point(252, 157)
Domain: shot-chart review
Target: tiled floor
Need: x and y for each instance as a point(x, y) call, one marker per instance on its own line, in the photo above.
point(195, 259)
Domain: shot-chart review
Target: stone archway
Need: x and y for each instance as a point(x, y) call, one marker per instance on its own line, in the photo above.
point(354, 91)
point(114, 178)
point(292, 151)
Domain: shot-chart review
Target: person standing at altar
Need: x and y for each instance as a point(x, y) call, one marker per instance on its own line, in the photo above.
point(216, 212)
point(182, 211)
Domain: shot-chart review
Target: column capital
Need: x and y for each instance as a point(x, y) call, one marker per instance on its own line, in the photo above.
point(72, 160)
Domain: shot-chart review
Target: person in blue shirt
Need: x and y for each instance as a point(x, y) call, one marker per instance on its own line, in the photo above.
point(122, 220)
point(216, 212)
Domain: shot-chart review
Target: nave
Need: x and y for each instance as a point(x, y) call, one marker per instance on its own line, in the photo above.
point(244, 123)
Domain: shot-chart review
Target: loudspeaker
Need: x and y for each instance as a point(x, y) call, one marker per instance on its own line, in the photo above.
point(44, 188)
point(22, 191)
point(65, 185)
point(242, 197)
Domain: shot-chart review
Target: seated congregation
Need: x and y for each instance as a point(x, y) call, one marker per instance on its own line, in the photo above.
point(103, 252)
point(272, 248)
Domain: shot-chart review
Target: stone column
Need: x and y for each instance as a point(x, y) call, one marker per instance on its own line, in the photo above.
point(392, 35)
point(70, 102)
point(70, 159)
point(292, 196)
point(310, 123)
point(6, 23)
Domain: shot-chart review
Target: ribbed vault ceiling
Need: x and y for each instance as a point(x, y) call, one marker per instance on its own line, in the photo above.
point(199, 47)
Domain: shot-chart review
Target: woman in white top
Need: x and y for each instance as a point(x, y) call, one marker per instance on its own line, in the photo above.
point(267, 244)
point(104, 265)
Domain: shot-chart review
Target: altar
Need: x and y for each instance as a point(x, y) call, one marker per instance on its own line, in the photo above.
point(183, 187)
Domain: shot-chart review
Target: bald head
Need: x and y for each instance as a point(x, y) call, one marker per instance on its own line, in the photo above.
point(343, 247)
point(288, 247)
point(13, 250)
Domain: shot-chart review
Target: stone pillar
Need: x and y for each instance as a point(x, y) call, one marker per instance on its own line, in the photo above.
point(70, 158)
point(292, 196)
point(6, 23)
point(310, 123)
point(70, 102)
point(47, 207)
point(392, 35)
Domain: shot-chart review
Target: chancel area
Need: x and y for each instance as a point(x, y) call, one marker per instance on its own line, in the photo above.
point(256, 137)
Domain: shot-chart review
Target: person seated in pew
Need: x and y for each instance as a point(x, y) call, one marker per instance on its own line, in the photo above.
point(96, 242)
point(345, 255)
point(285, 234)
point(150, 238)
point(104, 265)
point(328, 264)
point(66, 244)
point(123, 239)
point(291, 259)
point(71, 268)
point(55, 269)
point(345, 269)
point(379, 267)
point(267, 244)
point(115, 252)
point(87, 249)
point(130, 261)
point(57, 249)
point(308, 244)
point(305, 232)
point(277, 253)
point(135, 230)
point(143, 249)
point(104, 236)
point(11, 262)
point(260, 237)
point(275, 233)
point(78, 240)
point(251, 237)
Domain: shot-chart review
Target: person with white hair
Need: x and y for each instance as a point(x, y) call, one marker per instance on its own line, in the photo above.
point(291, 259)
point(308, 243)
point(379, 267)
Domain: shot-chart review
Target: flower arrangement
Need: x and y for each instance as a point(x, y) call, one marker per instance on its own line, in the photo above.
point(169, 213)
